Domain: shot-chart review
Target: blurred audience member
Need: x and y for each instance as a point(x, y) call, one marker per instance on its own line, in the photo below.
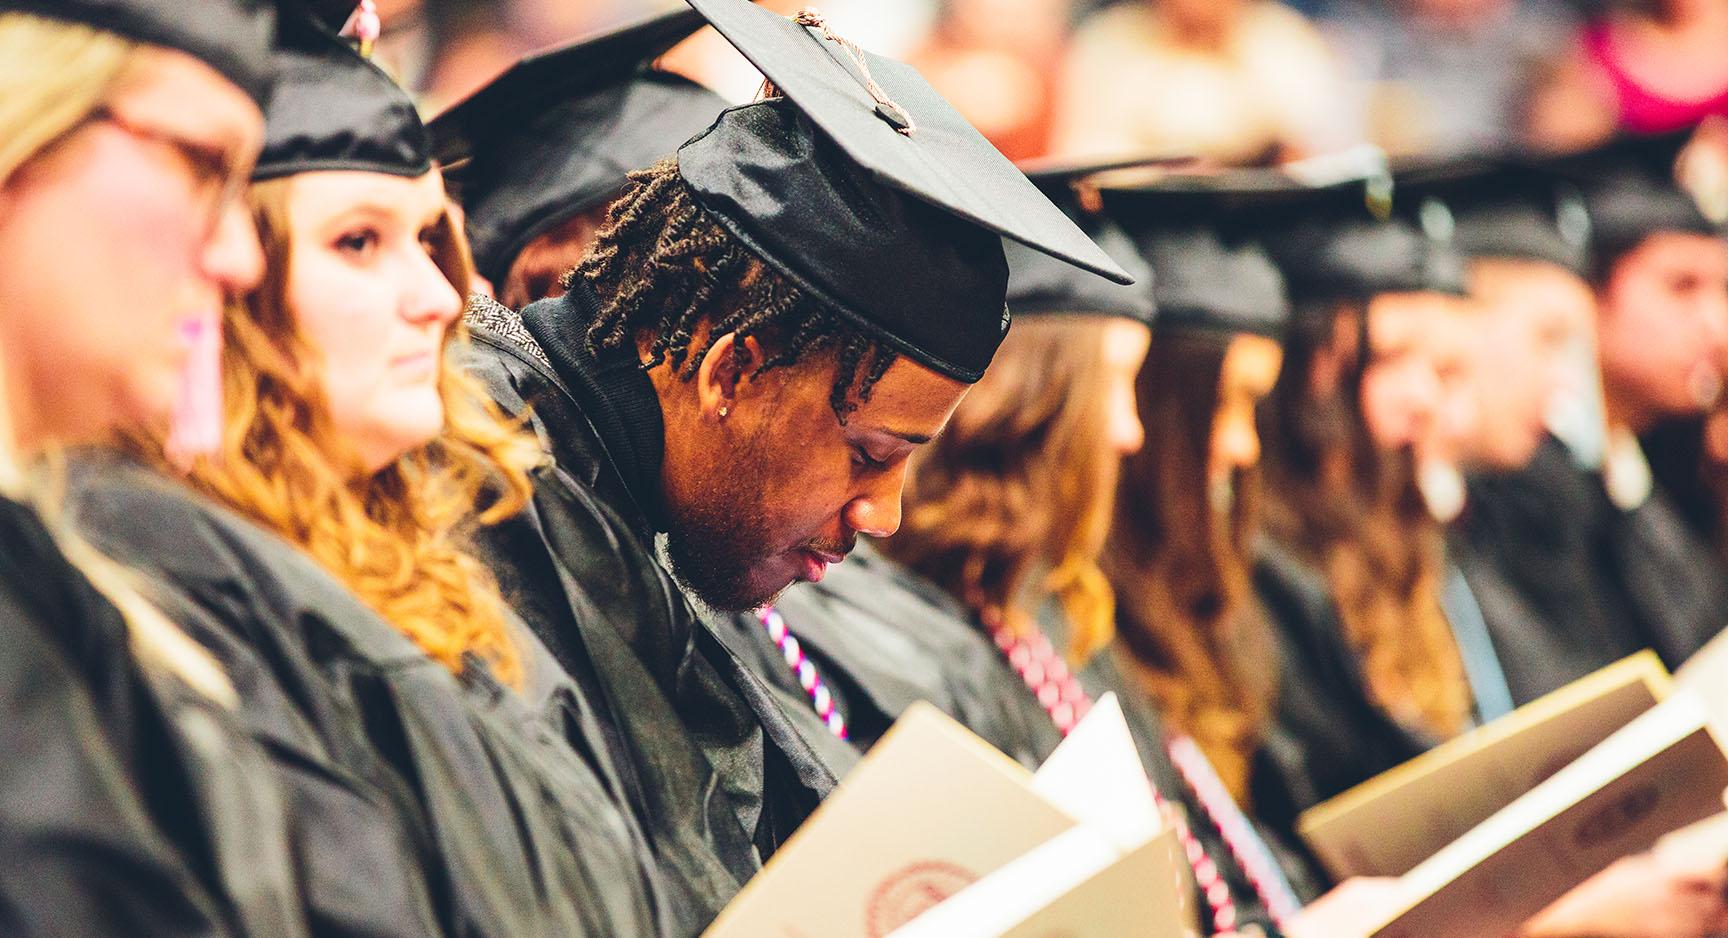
point(885, 27)
point(1237, 80)
point(1644, 67)
point(1447, 76)
point(997, 61)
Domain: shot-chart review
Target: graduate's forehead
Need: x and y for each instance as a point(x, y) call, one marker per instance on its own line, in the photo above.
point(911, 404)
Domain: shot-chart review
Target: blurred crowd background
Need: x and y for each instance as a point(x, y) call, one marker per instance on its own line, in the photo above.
point(1239, 81)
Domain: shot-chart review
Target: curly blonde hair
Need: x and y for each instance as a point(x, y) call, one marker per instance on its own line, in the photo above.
point(399, 538)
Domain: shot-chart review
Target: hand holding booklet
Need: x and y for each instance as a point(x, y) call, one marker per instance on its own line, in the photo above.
point(937, 834)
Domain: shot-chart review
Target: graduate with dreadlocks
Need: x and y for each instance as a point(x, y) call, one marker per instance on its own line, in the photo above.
point(766, 328)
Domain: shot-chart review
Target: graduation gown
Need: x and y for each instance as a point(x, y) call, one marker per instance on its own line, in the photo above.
point(1326, 734)
point(1568, 582)
point(129, 803)
point(887, 637)
point(719, 769)
point(1688, 477)
point(422, 804)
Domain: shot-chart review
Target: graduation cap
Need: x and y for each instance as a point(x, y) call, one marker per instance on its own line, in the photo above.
point(1497, 206)
point(231, 36)
point(861, 185)
point(1339, 242)
point(1040, 285)
point(1630, 192)
point(556, 134)
point(333, 109)
point(1203, 237)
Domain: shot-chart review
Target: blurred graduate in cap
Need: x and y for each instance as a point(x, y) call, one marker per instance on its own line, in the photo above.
point(1523, 234)
point(1186, 501)
point(1579, 567)
point(537, 155)
point(133, 803)
point(1350, 565)
point(768, 324)
point(1659, 267)
point(1404, 644)
point(1238, 694)
point(444, 776)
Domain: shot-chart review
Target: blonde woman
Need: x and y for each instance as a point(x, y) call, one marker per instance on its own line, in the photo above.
point(129, 802)
point(326, 560)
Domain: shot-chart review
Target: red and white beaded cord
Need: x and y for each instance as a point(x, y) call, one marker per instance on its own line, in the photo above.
point(1062, 696)
point(1246, 844)
point(1060, 693)
point(803, 669)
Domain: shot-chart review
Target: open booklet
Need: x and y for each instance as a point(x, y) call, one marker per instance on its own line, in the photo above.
point(1661, 772)
point(1490, 828)
point(1390, 823)
point(937, 834)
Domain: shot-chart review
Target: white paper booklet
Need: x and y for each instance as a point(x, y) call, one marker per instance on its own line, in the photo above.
point(936, 833)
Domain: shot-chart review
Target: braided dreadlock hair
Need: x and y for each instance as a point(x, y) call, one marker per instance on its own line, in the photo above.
point(661, 263)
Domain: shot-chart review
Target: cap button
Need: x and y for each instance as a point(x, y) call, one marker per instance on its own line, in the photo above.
point(895, 118)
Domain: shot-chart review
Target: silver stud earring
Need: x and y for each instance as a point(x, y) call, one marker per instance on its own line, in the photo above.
point(724, 410)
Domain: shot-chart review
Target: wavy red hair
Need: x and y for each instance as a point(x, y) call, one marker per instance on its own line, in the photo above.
point(398, 537)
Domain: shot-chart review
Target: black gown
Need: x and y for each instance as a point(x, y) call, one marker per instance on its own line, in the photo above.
point(129, 803)
point(719, 768)
point(1568, 582)
point(1689, 477)
point(1326, 735)
point(887, 638)
point(422, 804)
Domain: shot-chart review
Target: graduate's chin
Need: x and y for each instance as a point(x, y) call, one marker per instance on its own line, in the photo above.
point(730, 587)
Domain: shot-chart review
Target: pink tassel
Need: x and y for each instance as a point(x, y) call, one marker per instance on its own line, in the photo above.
point(364, 25)
point(196, 427)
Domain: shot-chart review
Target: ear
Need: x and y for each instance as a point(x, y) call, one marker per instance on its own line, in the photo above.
point(727, 366)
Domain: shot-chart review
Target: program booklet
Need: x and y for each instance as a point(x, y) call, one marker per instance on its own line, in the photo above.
point(1394, 821)
point(936, 833)
point(1660, 773)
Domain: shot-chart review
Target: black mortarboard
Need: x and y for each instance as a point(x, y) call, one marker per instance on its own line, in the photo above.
point(1338, 241)
point(1202, 234)
point(1497, 207)
point(231, 36)
point(1630, 192)
point(332, 109)
point(556, 134)
point(866, 189)
point(1039, 284)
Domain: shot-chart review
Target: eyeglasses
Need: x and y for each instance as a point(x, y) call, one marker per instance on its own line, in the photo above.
point(217, 179)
